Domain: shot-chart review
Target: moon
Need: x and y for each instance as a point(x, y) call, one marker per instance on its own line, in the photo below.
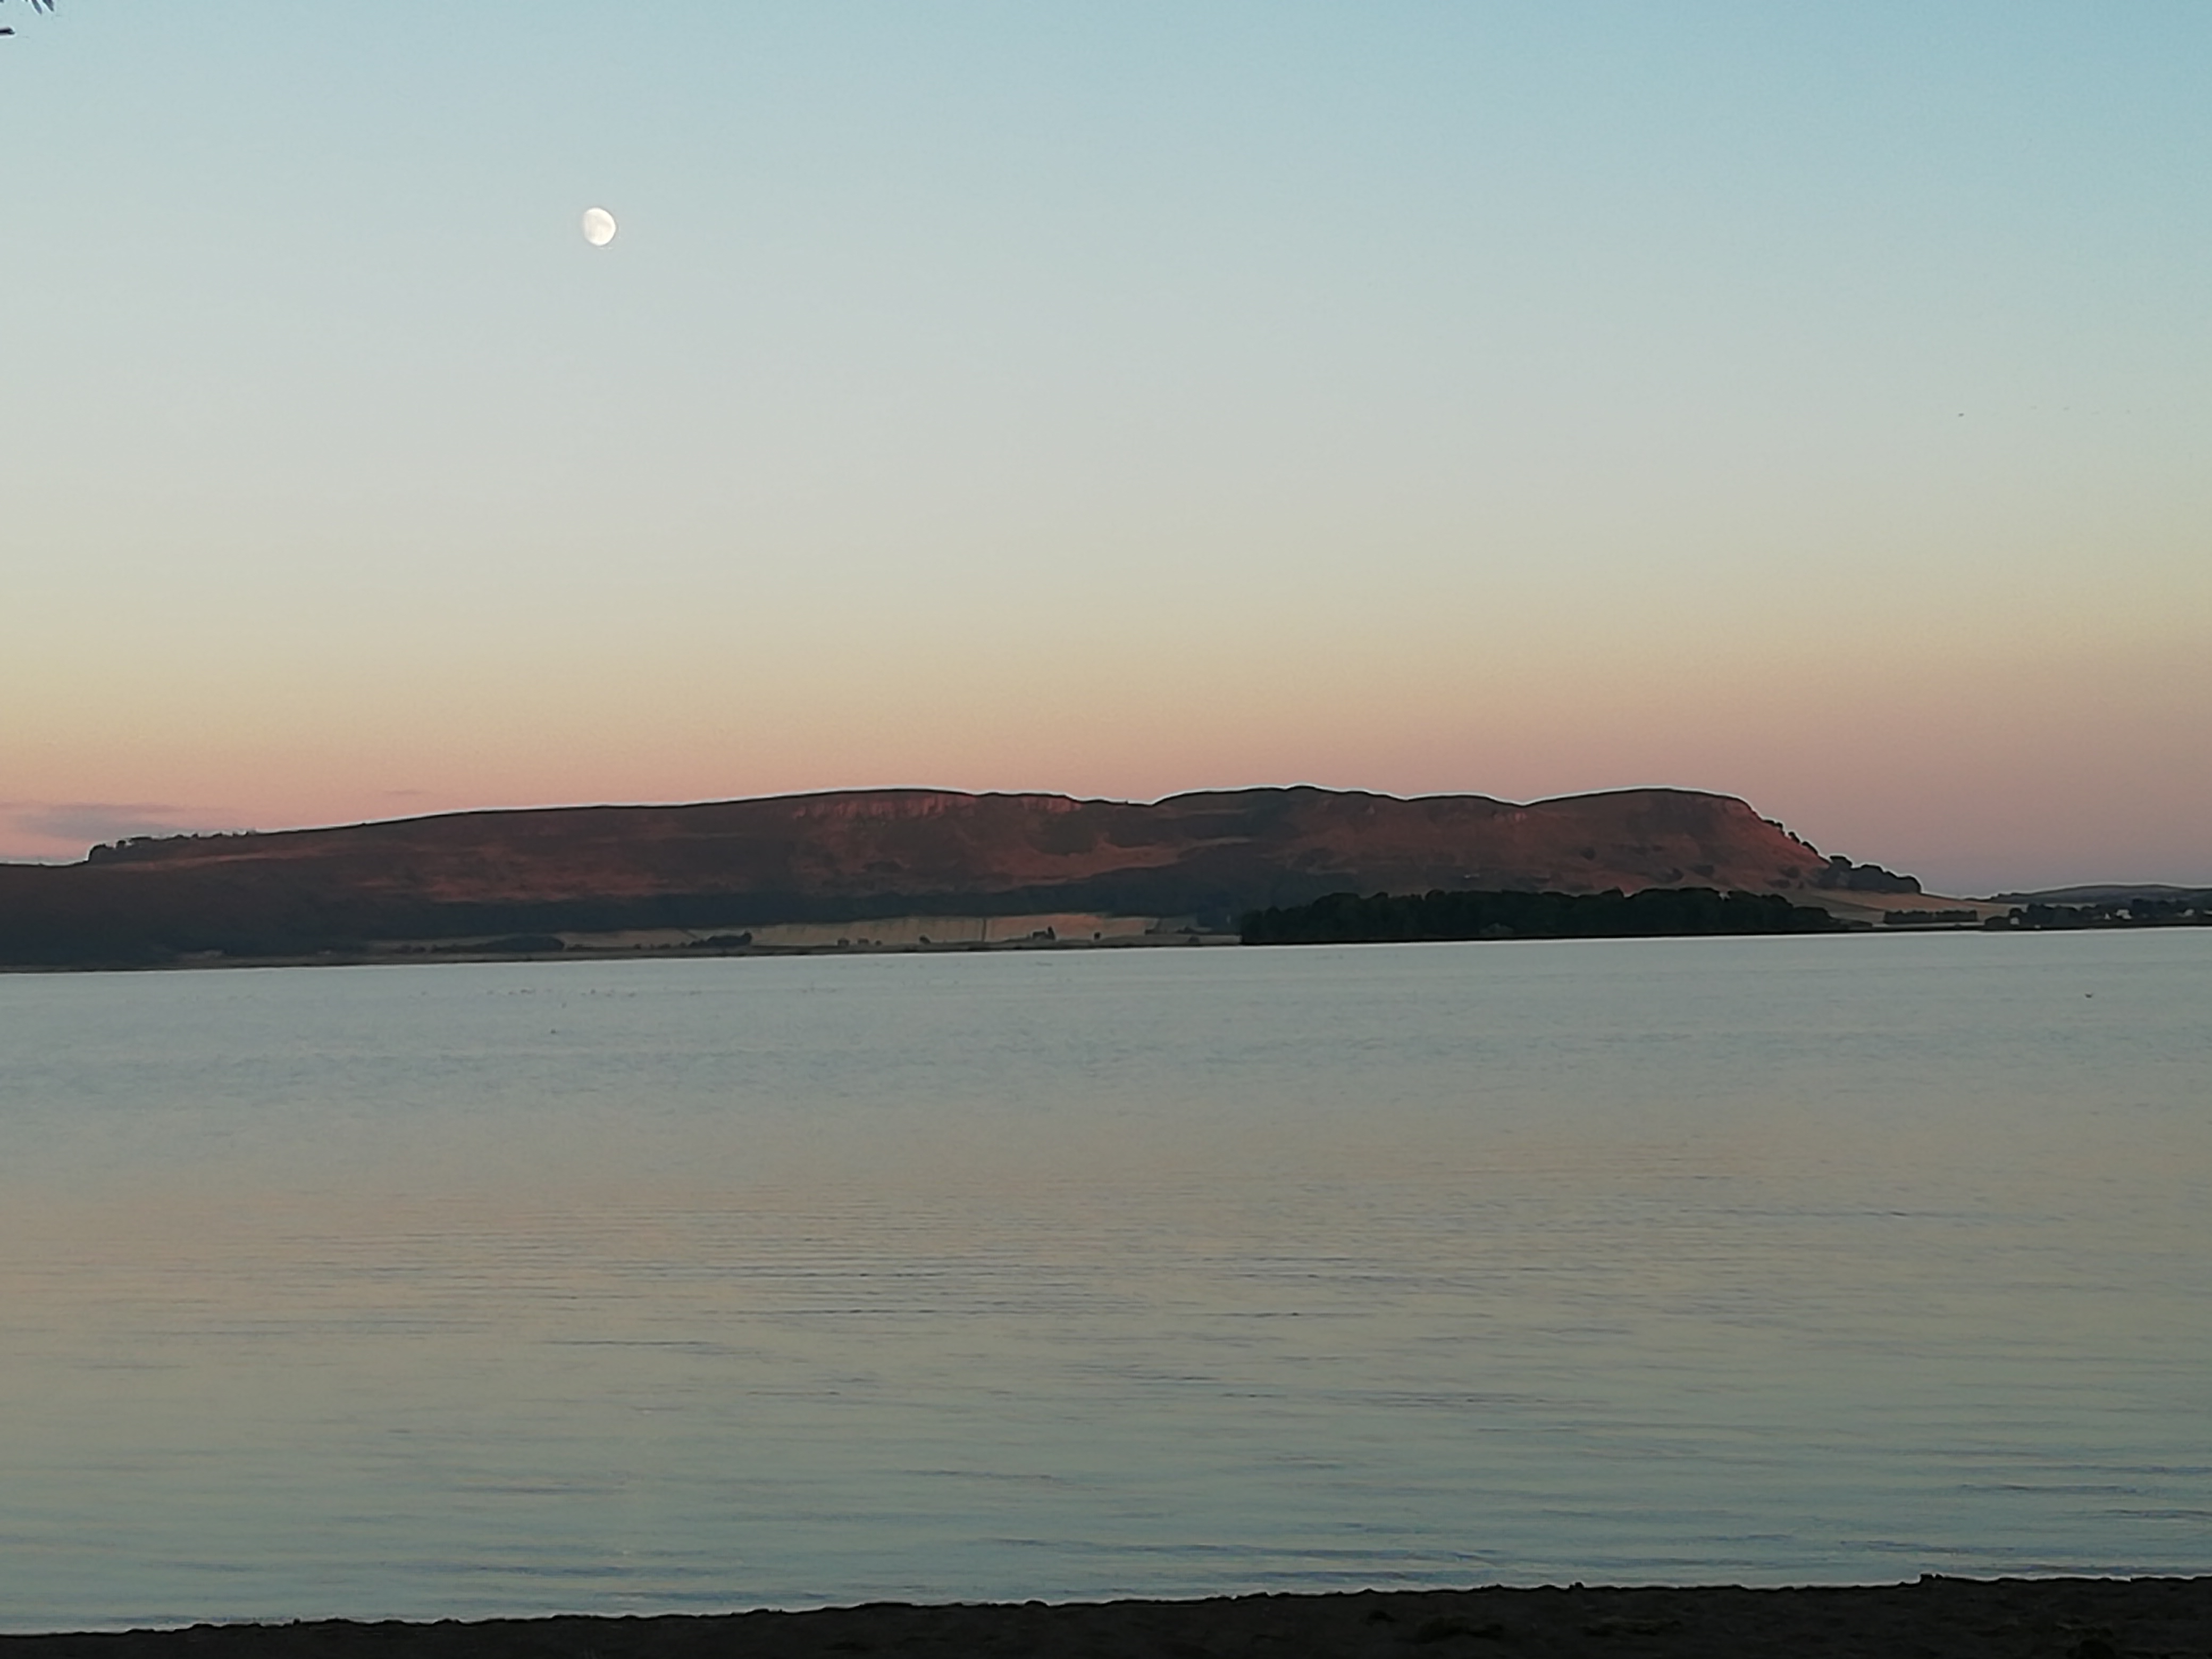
point(598, 226)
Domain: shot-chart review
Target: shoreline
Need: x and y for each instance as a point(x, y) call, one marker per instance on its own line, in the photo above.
point(2058, 1618)
point(445, 956)
point(880, 936)
point(442, 957)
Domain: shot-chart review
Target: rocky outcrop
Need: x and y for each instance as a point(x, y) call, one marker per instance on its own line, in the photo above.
point(833, 857)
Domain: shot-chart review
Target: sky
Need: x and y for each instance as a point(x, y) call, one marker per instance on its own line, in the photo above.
point(1808, 403)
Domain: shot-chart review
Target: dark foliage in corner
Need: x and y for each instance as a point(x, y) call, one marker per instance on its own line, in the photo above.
point(1655, 912)
point(36, 5)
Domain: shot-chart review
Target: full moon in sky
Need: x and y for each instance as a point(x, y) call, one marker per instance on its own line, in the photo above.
point(598, 226)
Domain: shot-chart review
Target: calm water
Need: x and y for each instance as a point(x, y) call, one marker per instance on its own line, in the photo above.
point(459, 1290)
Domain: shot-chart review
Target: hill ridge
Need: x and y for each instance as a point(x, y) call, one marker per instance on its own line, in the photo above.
point(834, 855)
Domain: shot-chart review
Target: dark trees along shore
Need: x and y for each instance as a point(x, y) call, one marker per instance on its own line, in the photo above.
point(1347, 918)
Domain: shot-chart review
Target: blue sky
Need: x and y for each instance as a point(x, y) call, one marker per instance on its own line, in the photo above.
point(1810, 404)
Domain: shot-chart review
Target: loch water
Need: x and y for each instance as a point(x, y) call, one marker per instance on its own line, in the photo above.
point(454, 1291)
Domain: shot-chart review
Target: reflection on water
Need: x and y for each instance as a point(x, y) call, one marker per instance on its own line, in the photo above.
point(457, 1290)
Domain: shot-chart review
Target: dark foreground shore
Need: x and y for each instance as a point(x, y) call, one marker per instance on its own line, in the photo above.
point(1956, 1618)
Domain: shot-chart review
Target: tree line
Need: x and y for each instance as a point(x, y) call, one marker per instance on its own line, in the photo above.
point(1655, 912)
point(2194, 910)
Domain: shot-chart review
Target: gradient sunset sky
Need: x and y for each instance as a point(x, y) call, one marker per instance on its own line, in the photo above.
point(1807, 402)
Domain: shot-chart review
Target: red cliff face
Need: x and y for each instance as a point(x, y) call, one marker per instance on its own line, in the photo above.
point(839, 856)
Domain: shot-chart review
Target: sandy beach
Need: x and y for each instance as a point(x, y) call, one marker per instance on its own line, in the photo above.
point(1957, 1618)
